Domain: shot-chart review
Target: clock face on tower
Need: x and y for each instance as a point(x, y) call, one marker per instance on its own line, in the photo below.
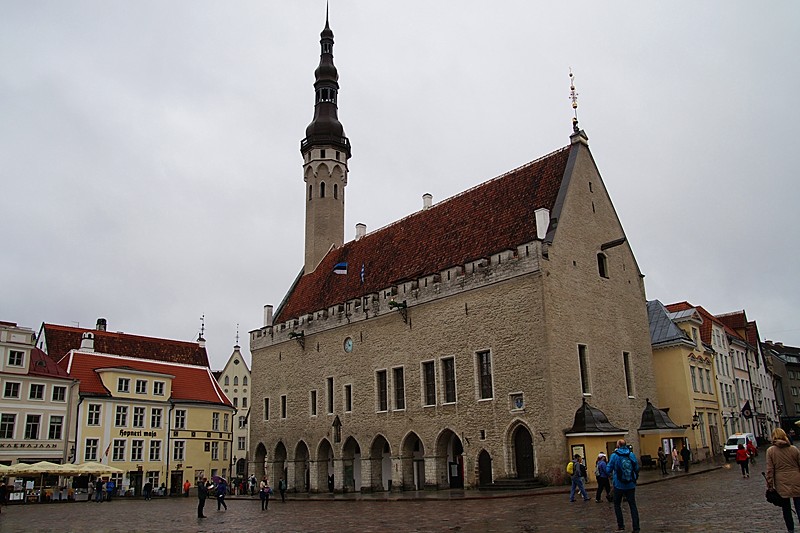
point(348, 345)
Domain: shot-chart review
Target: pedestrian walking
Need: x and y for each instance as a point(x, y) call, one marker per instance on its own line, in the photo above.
point(282, 489)
point(3, 493)
point(100, 490)
point(252, 482)
point(110, 486)
point(577, 476)
point(675, 462)
point(90, 491)
point(202, 494)
point(624, 468)
point(752, 451)
point(222, 490)
point(601, 474)
point(264, 491)
point(662, 461)
point(783, 473)
point(744, 460)
point(147, 491)
point(186, 487)
point(686, 456)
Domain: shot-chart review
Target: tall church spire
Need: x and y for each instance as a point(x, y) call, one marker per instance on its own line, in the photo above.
point(325, 151)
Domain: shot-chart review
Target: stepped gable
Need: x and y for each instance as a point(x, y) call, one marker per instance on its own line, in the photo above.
point(190, 383)
point(494, 216)
point(61, 339)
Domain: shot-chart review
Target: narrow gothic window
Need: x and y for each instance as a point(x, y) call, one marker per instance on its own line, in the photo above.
point(310, 189)
point(336, 191)
point(626, 365)
point(602, 265)
point(584, 368)
point(322, 189)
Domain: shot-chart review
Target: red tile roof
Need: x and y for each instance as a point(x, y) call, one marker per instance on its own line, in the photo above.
point(494, 216)
point(191, 383)
point(42, 365)
point(61, 339)
point(708, 318)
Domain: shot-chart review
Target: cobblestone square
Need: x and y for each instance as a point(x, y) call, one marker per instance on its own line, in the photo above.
point(714, 500)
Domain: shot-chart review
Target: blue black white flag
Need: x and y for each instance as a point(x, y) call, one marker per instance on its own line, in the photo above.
point(340, 268)
point(362, 273)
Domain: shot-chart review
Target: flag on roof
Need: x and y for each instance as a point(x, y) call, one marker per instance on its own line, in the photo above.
point(362, 273)
point(340, 268)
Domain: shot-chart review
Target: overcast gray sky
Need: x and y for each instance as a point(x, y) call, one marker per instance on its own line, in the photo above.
point(150, 170)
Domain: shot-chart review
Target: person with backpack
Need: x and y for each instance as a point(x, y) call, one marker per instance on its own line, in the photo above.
point(601, 474)
point(624, 467)
point(577, 476)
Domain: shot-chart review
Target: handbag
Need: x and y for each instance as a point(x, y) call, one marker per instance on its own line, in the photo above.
point(772, 495)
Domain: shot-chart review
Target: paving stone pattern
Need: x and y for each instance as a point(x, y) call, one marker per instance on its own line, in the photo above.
point(717, 499)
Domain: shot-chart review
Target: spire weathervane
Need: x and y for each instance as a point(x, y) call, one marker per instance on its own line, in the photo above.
point(573, 95)
point(202, 327)
point(237, 334)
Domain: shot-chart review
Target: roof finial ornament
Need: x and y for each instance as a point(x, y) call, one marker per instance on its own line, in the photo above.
point(237, 335)
point(202, 327)
point(573, 95)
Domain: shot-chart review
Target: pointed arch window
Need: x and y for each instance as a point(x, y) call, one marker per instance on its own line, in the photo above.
point(310, 192)
point(327, 48)
point(335, 191)
point(322, 189)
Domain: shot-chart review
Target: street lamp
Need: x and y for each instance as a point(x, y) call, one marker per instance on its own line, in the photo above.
point(695, 420)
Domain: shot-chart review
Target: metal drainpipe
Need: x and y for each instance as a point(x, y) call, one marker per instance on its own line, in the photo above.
point(77, 419)
point(169, 432)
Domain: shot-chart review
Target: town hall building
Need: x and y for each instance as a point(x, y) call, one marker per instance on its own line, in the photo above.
point(460, 346)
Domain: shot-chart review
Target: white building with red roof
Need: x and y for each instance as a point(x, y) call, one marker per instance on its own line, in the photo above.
point(36, 399)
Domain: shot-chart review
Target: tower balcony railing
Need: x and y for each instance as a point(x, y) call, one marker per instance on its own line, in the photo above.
point(334, 140)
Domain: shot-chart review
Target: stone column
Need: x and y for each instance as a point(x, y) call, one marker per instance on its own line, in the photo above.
point(290, 468)
point(338, 475)
point(397, 474)
point(314, 473)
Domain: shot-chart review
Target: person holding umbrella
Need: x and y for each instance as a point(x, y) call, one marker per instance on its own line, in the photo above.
point(222, 490)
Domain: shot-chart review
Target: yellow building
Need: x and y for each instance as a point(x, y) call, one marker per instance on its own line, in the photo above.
point(685, 378)
point(157, 421)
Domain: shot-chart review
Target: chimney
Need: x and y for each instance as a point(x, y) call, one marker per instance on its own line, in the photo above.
point(267, 315)
point(361, 230)
point(87, 342)
point(427, 200)
point(101, 324)
point(542, 222)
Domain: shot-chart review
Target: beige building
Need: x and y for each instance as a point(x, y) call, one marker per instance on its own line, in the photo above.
point(234, 379)
point(36, 396)
point(453, 347)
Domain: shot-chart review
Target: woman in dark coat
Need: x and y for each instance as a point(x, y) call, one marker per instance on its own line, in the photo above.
point(783, 473)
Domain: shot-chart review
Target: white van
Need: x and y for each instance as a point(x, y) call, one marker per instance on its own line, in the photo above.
point(733, 442)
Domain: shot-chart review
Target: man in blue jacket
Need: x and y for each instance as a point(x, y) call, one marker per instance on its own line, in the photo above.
point(624, 467)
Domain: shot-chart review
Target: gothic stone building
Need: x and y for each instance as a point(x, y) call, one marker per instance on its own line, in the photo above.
point(453, 347)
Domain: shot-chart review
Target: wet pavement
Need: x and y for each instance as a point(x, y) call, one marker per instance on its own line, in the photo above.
point(712, 497)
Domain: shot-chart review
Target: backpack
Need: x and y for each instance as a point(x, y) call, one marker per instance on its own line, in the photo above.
point(626, 468)
point(570, 468)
